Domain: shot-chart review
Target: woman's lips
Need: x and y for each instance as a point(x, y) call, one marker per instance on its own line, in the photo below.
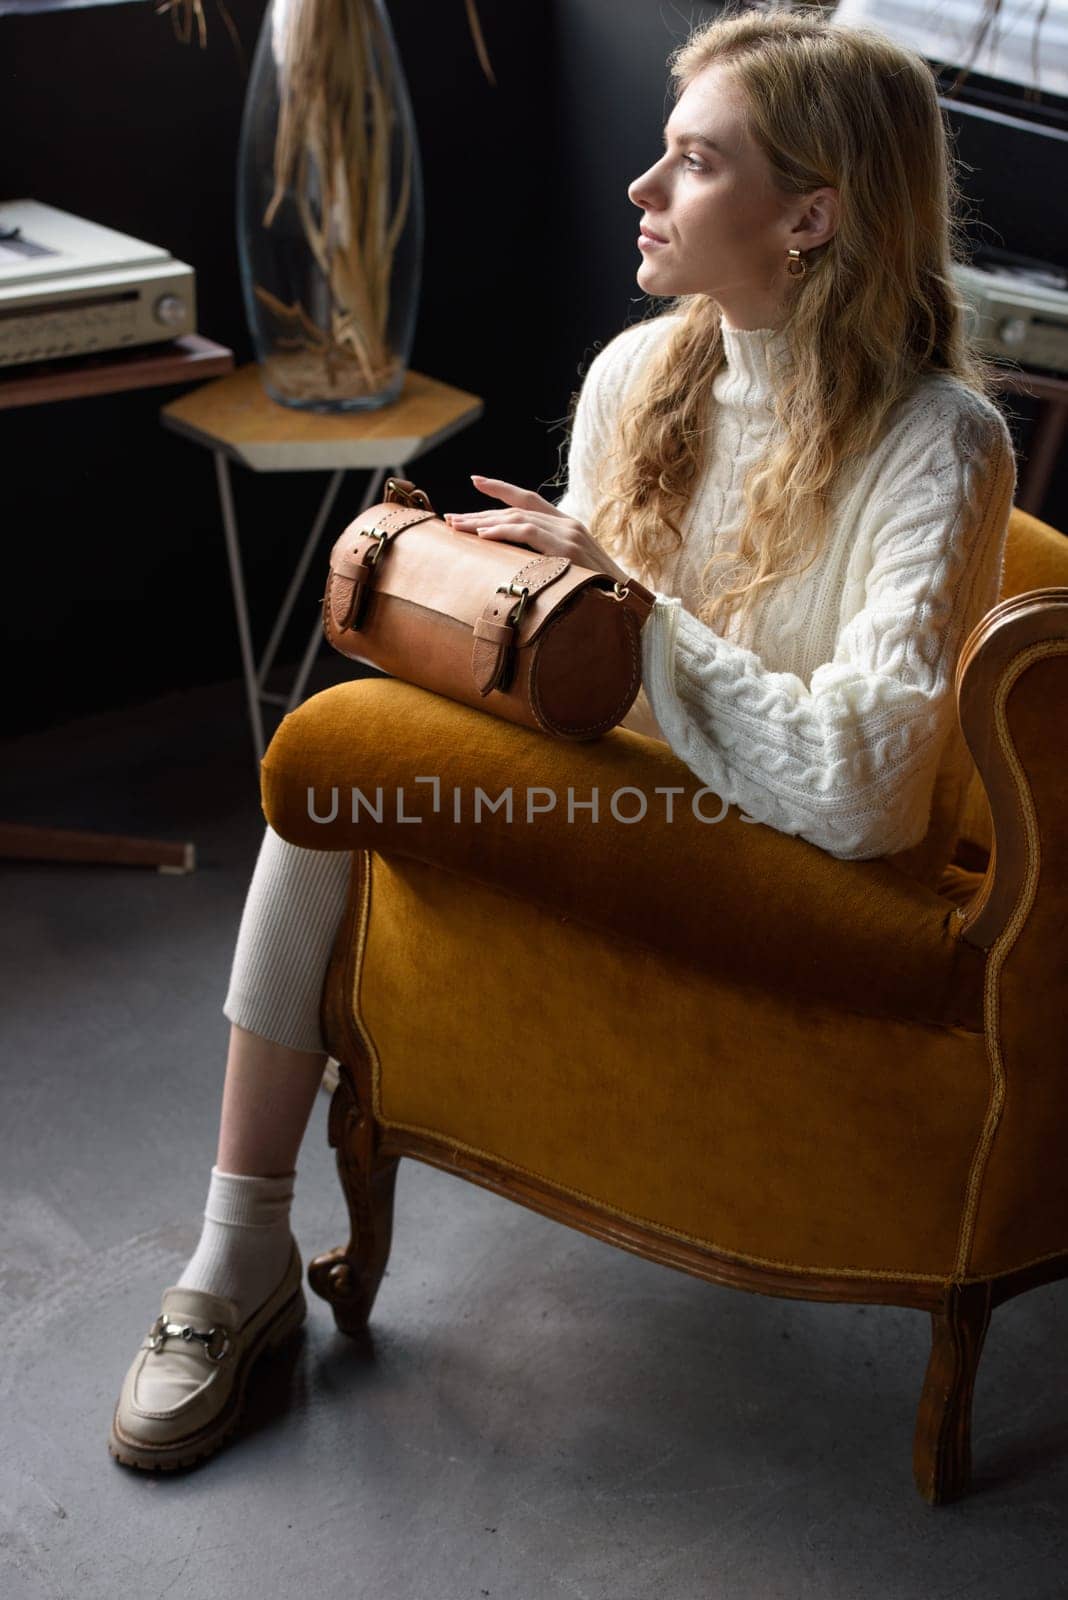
point(646, 242)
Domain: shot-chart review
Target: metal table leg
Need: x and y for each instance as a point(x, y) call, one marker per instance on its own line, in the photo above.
point(256, 676)
point(311, 544)
point(371, 496)
point(237, 582)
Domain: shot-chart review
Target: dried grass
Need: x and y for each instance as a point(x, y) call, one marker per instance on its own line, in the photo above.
point(334, 140)
point(335, 130)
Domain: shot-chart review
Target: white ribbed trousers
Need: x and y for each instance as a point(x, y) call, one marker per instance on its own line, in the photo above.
point(290, 919)
point(291, 916)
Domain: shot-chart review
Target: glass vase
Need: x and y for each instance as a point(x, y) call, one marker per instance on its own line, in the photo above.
point(330, 206)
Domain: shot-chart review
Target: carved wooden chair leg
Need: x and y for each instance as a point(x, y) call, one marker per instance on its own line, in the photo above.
point(942, 1451)
point(349, 1276)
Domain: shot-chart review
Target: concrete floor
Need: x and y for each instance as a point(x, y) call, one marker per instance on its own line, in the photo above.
point(542, 1415)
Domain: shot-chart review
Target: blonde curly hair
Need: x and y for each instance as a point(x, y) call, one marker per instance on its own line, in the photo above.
point(876, 310)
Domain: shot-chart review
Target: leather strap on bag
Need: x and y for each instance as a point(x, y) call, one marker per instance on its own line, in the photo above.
point(360, 562)
point(495, 629)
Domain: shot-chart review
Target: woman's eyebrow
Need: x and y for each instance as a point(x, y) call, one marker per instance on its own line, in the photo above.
point(696, 138)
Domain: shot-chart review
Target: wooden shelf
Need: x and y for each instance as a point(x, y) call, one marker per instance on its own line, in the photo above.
point(21, 841)
point(178, 361)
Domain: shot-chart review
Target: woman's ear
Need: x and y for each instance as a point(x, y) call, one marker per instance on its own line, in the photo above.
point(818, 220)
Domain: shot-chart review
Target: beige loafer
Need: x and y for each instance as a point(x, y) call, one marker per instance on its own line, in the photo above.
point(184, 1392)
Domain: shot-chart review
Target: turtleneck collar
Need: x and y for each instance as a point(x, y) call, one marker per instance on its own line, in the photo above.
point(755, 358)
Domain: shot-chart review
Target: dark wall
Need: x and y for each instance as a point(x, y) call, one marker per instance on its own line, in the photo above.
point(117, 582)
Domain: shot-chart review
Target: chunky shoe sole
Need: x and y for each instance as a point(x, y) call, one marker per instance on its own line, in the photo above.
point(206, 1441)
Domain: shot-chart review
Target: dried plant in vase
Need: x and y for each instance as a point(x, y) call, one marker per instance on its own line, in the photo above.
point(329, 206)
point(330, 202)
point(336, 99)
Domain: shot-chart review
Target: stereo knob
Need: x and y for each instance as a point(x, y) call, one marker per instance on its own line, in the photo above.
point(170, 310)
point(1013, 331)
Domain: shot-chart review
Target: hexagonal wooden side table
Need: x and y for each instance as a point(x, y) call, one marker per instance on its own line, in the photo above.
point(237, 420)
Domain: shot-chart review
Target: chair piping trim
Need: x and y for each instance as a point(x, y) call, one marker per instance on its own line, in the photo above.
point(1005, 1272)
point(362, 919)
point(1001, 948)
point(647, 1223)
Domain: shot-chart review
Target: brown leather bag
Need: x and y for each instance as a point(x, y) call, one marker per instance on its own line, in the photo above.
point(531, 638)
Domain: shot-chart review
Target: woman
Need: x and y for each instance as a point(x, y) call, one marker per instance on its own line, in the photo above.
point(801, 456)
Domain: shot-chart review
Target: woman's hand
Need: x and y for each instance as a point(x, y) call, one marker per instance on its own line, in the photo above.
point(534, 522)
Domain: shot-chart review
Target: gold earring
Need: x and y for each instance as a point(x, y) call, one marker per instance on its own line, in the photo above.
point(796, 266)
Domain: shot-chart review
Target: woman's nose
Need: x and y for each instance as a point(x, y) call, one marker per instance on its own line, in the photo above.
point(640, 187)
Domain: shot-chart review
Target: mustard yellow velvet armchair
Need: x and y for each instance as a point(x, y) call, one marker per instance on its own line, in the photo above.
point(712, 1044)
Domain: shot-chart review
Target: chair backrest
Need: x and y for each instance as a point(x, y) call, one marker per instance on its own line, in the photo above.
point(1036, 557)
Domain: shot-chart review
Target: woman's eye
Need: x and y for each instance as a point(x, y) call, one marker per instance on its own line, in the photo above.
point(693, 164)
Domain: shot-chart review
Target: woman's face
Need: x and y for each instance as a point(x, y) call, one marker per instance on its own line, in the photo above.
point(727, 228)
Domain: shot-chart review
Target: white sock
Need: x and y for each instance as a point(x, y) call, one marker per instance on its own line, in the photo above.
point(245, 1243)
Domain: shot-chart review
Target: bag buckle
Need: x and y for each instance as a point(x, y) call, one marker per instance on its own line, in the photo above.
point(510, 588)
point(402, 491)
point(374, 550)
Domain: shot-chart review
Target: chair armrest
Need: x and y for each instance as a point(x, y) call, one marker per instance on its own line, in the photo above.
point(1012, 699)
point(731, 897)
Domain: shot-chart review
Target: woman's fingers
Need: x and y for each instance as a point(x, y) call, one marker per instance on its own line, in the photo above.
point(516, 530)
point(525, 533)
point(511, 493)
point(549, 533)
point(526, 501)
point(504, 524)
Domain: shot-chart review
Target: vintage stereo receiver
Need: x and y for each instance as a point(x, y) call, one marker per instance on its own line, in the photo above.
point(70, 287)
point(1018, 310)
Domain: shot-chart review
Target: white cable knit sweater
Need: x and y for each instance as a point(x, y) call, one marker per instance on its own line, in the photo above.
point(832, 714)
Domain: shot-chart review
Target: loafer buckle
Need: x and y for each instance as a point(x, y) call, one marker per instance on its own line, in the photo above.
point(163, 1330)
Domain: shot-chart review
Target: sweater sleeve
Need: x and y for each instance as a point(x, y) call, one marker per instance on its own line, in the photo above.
point(849, 760)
